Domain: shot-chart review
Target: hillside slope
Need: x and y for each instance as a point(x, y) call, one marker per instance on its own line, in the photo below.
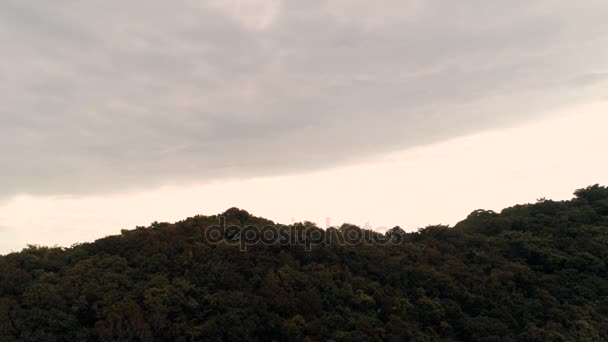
point(533, 272)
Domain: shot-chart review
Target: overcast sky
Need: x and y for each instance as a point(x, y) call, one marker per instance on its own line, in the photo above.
point(107, 99)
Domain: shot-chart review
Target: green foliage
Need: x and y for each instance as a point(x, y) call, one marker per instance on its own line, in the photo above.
point(532, 272)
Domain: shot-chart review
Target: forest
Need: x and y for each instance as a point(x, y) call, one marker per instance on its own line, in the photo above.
point(533, 272)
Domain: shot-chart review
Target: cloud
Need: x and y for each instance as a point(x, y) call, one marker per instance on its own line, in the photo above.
point(103, 96)
point(591, 79)
point(252, 14)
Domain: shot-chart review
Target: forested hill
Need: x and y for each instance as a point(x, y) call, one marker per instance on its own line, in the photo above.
point(534, 272)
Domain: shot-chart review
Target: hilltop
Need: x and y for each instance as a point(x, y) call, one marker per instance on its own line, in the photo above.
point(532, 272)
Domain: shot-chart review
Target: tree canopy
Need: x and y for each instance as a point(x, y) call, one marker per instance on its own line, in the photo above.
point(532, 272)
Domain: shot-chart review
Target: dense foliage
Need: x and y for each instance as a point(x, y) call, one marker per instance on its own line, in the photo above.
point(533, 272)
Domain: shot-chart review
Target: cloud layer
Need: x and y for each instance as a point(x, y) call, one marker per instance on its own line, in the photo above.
point(99, 96)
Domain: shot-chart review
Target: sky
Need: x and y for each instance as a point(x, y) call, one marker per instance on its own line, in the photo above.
point(115, 114)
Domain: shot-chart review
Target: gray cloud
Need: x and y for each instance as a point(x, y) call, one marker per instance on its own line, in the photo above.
point(101, 96)
point(591, 79)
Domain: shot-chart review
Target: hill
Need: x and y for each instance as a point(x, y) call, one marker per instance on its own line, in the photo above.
point(532, 272)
